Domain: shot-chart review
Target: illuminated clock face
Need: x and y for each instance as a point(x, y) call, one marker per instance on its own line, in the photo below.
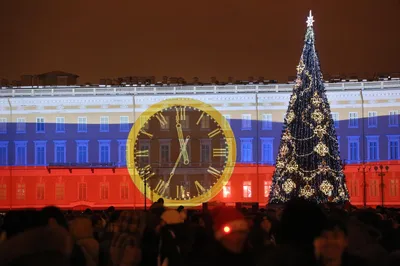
point(182, 153)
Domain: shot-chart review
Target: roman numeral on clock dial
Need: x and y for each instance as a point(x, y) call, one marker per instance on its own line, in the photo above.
point(180, 113)
point(220, 152)
point(200, 189)
point(146, 133)
point(214, 132)
point(161, 119)
point(214, 172)
point(161, 187)
point(143, 153)
point(180, 192)
point(201, 116)
point(146, 173)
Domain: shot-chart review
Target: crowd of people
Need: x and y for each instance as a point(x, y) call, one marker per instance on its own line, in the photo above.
point(298, 233)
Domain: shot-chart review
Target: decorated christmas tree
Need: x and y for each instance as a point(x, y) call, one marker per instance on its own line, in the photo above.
point(308, 164)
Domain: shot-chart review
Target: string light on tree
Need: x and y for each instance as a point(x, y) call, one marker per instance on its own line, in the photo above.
point(308, 163)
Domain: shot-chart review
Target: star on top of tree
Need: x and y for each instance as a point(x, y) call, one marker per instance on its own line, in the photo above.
point(310, 20)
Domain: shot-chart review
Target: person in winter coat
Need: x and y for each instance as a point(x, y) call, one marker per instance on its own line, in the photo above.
point(82, 232)
point(44, 246)
point(231, 233)
point(125, 245)
point(174, 242)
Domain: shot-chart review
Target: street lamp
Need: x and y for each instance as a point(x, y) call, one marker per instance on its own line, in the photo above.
point(380, 172)
point(362, 168)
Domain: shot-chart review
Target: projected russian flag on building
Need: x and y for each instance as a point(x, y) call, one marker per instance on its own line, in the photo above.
point(67, 146)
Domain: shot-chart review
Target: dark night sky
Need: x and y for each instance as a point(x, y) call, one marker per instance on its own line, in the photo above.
point(188, 38)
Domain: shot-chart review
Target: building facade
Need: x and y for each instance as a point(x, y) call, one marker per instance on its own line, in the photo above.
point(67, 146)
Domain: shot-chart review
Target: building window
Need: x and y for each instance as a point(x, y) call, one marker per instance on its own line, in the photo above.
point(394, 187)
point(3, 125)
point(246, 149)
point(3, 191)
point(353, 120)
point(39, 124)
point(124, 123)
point(104, 124)
point(267, 151)
point(226, 190)
point(21, 125)
point(247, 189)
point(104, 151)
point(205, 151)
point(372, 119)
point(60, 191)
point(82, 151)
point(20, 152)
point(144, 145)
point(393, 148)
point(205, 122)
point(60, 151)
point(185, 122)
point(122, 149)
point(267, 122)
point(164, 153)
point(104, 191)
point(373, 148)
point(353, 148)
point(166, 125)
point(335, 118)
point(20, 191)
point(40, 191)
point(227, 121)
point(60, 124)
point(82, 191)
point(393, 118)
point(40, 152)
point(124, 191)
point(267, 188)
point(82, 124)
point(354, 188)
point(373, 188)
point(3, 152)
point(246, 122)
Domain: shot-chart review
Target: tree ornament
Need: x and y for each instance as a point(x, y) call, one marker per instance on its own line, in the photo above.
point(292, 166)
point(298, 83)
point(316, 100)
point(293, 99)
point(288, 186)
point(317, 116)
point(284, 150)
point(290, 117)
point(326, 187)
point(307, 191)
point(323, 168)
point(319, 131)
point(321, 149)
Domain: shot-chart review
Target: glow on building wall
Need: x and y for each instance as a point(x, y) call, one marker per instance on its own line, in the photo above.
point(77, 146)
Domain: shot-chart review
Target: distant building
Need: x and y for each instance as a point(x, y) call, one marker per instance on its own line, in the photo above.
point(53, 78)
point(58, 78)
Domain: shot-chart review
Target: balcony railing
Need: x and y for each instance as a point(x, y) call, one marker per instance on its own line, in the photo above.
point(91, 166)
point(49, 91)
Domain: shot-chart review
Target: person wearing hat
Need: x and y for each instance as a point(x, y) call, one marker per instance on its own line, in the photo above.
point(173, 240)
point(230, 231)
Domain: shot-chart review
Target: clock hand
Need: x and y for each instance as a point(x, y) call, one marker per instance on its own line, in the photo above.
point(181, 142)
point(176, 163)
